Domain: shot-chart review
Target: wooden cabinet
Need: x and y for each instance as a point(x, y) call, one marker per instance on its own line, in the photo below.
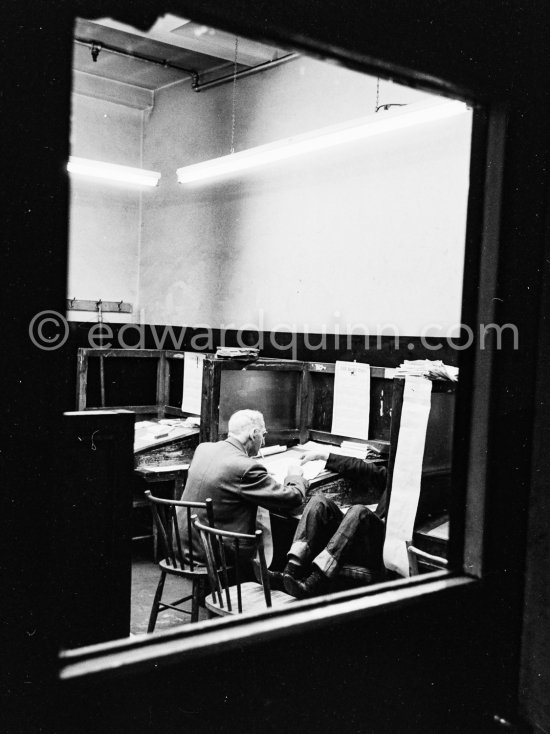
point(93, 544)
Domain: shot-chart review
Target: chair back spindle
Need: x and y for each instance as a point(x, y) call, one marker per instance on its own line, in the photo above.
point(223, 565)
point(234, 598)
point(211, 564)
point(238, 576)
point(165, 517)
point(174, 559)
point(190, 535)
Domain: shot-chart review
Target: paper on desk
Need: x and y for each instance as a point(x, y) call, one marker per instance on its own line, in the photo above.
point(144, 433)
point(144, 425)
point(313, 446)
point(348, 448)
point(268, 450)
point(312, 469)
point(351, 403)
point(278, 464)
point(192, 382)
point(407, 473)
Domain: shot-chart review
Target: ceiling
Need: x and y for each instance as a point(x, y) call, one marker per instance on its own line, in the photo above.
point(183, 51)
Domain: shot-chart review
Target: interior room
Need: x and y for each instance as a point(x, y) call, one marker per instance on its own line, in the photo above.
point(350, 251)
point(376, 200)
point(318, 211)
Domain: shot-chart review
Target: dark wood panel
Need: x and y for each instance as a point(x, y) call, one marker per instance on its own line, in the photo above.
point(322, 398)
point(275, 393)
point(93, 547)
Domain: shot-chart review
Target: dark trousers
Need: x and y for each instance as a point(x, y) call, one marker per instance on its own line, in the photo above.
point(328, 537)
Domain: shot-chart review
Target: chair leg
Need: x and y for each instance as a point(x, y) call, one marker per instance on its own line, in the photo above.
point(156, 602)
point(197, 594)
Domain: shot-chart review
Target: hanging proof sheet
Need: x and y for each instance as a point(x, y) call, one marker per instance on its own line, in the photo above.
point(351, 406)
point(263, 523)
point(192, 383)
point(407, 473)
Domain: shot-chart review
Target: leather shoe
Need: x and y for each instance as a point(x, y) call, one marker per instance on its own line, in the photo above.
point(313, 585)
point(276, 580)
point(296, 570)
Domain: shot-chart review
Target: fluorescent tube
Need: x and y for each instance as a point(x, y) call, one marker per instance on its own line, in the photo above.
point(112, 172)
point(375, 124)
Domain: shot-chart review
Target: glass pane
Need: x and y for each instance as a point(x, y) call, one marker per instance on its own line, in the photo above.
point(283, 204)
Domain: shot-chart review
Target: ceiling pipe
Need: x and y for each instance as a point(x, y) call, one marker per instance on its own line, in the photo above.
point(198, 87)
point(97, 46)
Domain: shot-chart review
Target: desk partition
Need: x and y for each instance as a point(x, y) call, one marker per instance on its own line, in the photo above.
point(149, 382)
point(296, 399)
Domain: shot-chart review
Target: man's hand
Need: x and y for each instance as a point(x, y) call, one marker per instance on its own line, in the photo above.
point(294, 470)
point(314, 456)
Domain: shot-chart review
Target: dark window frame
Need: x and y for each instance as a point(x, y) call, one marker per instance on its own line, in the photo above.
point(467, 514)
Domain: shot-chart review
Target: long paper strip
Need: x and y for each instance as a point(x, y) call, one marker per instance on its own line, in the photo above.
point(192, 382)
point(407, 473)
point(263, 523)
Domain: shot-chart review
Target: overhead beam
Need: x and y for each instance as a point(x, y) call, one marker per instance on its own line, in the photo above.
point(110, 90)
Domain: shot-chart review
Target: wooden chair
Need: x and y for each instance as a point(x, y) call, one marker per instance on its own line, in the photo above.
point(351, 575)
point(428, 560)
point(247, 596)
point(173, 561)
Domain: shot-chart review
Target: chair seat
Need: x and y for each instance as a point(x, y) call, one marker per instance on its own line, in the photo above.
point(361, 574)
point(253, 599)
point(199, 570)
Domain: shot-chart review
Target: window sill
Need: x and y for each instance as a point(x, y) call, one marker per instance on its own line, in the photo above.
point(205, 638)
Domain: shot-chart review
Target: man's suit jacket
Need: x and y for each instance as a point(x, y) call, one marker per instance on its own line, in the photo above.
point(237, 485)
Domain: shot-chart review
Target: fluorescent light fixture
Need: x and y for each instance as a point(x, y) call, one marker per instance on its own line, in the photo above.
point(112, 172)
point(328, 137)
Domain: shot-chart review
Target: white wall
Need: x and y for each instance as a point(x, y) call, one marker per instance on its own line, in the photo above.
point(352, 239)
point(105, 219)
point(369, 235)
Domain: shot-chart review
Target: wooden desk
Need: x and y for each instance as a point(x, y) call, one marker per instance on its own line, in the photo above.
point(163, 466)
point(330, 483)
point(167, 451)
point(176, 474)
point(158, 477)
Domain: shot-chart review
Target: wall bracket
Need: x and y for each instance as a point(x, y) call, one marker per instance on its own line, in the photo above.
point(74, 304)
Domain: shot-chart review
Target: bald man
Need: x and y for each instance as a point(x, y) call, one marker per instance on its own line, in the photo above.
point(229, 473)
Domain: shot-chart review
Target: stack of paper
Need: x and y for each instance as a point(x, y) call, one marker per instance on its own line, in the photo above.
point(433, 369)
point(245, 353)
point(353, 448)
point(348, 448)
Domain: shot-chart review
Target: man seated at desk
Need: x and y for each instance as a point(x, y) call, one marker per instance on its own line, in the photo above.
point(237, 483)
point(326, 537)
